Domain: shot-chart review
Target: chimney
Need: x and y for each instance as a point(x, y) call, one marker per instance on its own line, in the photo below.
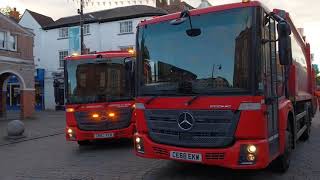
point(175, 2)
point(14, 14)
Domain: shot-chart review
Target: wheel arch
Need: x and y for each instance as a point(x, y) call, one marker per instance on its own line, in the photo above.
point(286, 117)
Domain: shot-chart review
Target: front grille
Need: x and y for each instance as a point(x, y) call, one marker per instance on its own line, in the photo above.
point(215, 156)
point(211, 128)
point(87, 123)
point(160, 151)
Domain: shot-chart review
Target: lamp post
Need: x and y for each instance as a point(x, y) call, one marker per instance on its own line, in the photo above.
point(80, 11)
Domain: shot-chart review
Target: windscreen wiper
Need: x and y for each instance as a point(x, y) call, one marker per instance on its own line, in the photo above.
point(150, 100)
point(192, 100)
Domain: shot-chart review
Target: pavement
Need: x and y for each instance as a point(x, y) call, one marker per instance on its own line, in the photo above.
point(47, 123)
point(44, 154)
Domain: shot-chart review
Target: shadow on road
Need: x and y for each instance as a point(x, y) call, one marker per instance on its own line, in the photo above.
point(112, 145)
point(180, 170)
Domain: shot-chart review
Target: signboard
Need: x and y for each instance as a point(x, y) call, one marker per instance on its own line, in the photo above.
point(74, 40)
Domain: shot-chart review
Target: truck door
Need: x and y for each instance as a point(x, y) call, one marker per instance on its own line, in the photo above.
point(270, 78)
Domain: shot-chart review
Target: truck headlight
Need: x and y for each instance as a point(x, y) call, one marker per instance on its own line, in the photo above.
point(138, 140)
point(251, 148)
point(139, 145)
point(71, 133)
point(248, 154)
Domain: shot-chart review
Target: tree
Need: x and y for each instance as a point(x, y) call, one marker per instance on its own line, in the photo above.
point(6, 10)
point(11, 12)
point(316, 69)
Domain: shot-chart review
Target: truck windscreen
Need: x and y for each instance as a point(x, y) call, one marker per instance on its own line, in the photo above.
point(98, 80)
point(215, 61)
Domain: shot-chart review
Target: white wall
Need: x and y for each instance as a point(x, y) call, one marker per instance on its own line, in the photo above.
point(111, 38)
point(102, 37)
point(51, 45)
point(28, 22)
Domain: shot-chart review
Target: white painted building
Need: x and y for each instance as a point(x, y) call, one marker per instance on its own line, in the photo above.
point(106, 30)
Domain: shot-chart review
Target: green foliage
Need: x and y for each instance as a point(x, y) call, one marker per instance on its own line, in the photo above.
point(318, 80)
point(316, 69)
point(6, 10)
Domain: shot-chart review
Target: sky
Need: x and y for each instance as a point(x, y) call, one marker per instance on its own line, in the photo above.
point(305, 13)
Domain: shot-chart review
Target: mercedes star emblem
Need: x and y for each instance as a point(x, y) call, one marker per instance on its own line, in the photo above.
point(185, 121)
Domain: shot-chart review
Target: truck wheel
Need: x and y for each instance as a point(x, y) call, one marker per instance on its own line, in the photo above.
point(84, 143)
point(282, 163)
point(306, 134)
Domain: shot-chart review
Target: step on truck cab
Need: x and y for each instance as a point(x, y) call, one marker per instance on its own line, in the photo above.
point(227, 85)
point(99, 92)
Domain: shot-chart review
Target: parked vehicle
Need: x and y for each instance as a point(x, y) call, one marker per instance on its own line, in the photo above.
point(99, 96)
point(228, 85)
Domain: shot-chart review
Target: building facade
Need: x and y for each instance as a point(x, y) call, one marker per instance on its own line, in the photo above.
point(107, 30)
point(16, 61)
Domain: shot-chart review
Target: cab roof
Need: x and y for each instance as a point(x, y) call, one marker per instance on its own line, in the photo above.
point(210, 9)
point(105, 54)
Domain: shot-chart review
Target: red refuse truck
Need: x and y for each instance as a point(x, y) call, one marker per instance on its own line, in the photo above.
point(227, 85)
point(99, 92)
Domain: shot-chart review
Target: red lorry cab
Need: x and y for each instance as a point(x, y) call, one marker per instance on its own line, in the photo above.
point(227, 85)
point(99, 96)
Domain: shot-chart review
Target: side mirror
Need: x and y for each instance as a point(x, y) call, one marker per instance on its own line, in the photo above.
point(285, 51)
point(193, 32)
point(130, 78)
point(129, 66)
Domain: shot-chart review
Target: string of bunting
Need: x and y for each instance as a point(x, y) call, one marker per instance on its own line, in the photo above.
point(87, 3)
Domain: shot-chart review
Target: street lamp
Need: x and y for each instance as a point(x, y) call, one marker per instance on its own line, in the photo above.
point(80, 11)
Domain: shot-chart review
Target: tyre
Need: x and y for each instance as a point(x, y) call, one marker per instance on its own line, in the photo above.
point(306, 134)
point(282, 163)
point(84, 143)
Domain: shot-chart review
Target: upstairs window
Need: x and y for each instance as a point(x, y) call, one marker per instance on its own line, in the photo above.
point(63, 33)
point(2, 40)
point(12, 42)
point(62, 55)
point(86, 29)
point(125, 27)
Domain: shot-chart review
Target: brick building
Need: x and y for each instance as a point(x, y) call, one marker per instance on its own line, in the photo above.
point(16, 59)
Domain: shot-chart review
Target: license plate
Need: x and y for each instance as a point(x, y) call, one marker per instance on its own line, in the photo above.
point(104, 135)
point(186, 156)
